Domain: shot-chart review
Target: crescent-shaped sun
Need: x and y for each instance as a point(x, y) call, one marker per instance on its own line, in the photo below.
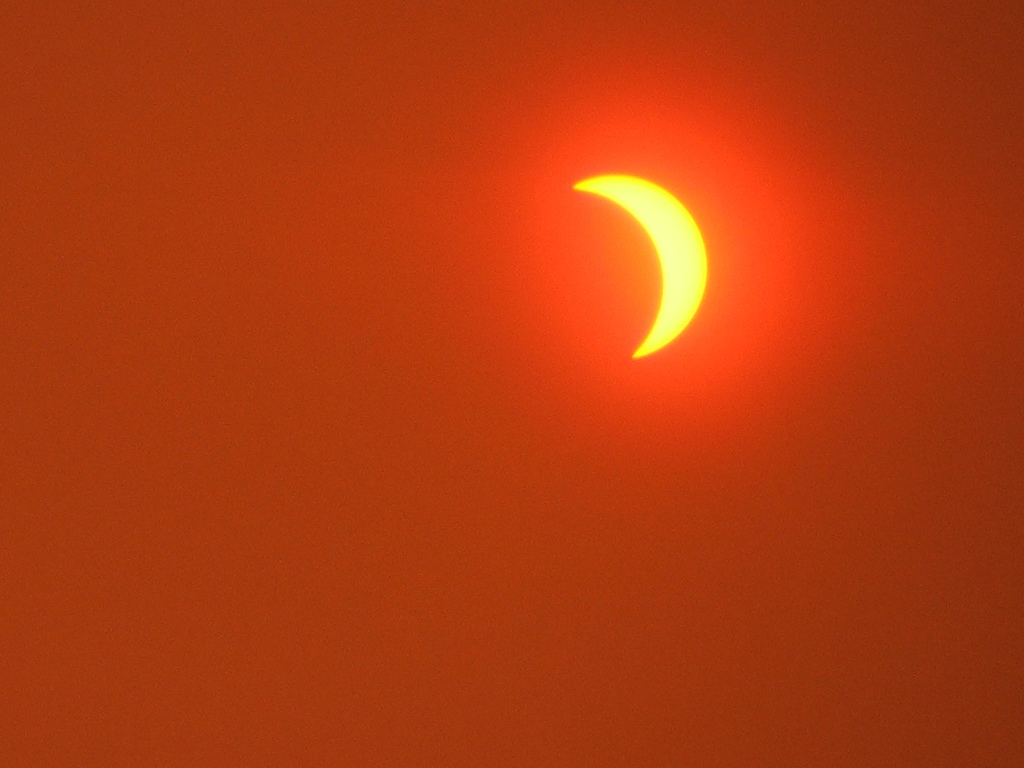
point(679, 246)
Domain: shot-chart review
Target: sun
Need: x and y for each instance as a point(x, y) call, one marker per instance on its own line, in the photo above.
point(679, 246)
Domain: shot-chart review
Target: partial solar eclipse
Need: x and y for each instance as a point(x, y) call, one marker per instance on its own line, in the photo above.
point(679, 246)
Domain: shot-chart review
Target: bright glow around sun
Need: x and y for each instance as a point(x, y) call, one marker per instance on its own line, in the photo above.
point(679, 246)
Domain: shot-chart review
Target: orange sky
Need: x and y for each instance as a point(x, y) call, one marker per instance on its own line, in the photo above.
point(321, 442)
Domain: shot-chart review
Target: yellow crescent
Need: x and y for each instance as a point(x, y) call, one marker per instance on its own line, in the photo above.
point(679, 246)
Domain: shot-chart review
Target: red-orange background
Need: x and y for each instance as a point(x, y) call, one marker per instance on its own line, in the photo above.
point(321, 441)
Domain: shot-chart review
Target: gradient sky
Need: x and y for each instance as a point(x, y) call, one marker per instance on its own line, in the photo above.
point(320, 438)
